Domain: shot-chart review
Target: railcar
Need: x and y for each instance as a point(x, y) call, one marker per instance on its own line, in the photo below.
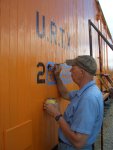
point(34, 34)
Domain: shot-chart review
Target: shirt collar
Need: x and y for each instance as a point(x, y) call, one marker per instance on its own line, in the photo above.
point(79, 92)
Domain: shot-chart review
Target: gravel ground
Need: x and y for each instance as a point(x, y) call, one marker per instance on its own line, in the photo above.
point(107, 128)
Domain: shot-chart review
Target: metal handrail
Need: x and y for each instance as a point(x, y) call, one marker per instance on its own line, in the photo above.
point(91, 53)
point(90, 36)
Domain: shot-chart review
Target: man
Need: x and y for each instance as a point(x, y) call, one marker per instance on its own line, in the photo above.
point(82, 120)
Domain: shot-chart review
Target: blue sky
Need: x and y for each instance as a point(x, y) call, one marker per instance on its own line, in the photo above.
point(107, 8)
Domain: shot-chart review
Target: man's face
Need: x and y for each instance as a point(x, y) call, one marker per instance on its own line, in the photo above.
point(76, 74)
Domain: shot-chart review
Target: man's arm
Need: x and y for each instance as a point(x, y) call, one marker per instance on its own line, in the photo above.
point(61, 87)
point(77, 139)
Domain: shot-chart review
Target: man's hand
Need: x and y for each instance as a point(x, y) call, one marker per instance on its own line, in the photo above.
point(52, 109)
point(57, 70)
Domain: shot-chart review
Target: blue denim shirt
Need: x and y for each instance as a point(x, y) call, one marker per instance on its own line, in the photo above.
point(84, 114)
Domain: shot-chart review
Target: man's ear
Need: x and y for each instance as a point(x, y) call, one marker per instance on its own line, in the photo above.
point(83, 72)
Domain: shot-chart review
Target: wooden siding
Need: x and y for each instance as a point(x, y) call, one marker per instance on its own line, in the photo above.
point(24, 43)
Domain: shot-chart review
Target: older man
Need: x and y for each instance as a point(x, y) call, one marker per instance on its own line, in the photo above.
point(82, 119)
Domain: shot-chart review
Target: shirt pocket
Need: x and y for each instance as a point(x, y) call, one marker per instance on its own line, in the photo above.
point(70, 111)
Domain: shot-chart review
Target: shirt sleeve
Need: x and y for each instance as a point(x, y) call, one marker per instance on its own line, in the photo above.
point(85, 116)
point(72, 94)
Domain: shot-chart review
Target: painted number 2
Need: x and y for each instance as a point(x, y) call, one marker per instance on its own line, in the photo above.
point(40, 73)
